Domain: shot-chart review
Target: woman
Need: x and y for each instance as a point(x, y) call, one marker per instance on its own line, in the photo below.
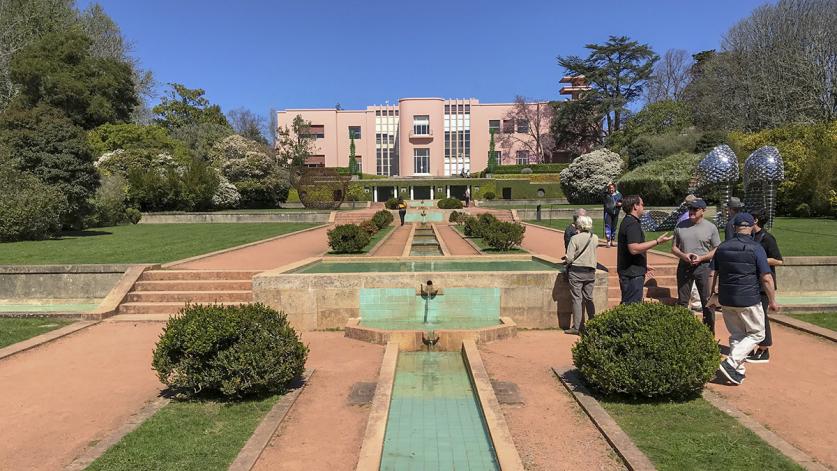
point(402, 209)
point(612, 205)
point(581, 272)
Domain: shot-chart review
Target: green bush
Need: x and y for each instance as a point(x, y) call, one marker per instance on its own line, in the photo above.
point(134, 215)
point(29, 208)
point(647, 350)
point(348, 238)
point(391, 203)
point(109, 203)
point(803, 210)
point(501, 235)
point(234, 351)
point(456, 217)
point(489, 195)
point(370, 227)
point(382, 218)
point(449, 203)
point(661, 182)
point(486, 219)
point(472, 228)
point(536, 168)
point(709, 140)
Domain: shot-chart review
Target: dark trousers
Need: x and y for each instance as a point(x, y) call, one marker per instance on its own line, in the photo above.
point(582, 281)
point(768, 337)
point(467, 201)
point(631, 287)
point(699, 275)
point(610, 224)
point(401, 213)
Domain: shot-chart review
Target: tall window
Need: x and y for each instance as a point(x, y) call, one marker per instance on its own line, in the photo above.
point(354, 132)
point(421, 161)
point(522, 157)
point(493, 125)
point(508, 126)
point(421, 125)
point(523, 125)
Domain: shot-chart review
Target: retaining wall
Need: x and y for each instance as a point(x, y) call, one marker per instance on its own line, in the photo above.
point(59, 281)
point(203, 218)
point(807, 274)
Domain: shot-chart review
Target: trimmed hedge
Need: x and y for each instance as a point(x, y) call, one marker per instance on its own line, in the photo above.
point(348, 238)
point(456, 217)
point(234, 351)
point(370, 227)
point(489, 195)
point(449, 203)
point(391, 203)
point(647, 350)
point(472, 228)
point(524, 189)
point(661, 182)
point(501, 235)
point(383, 218)
point(536, 168)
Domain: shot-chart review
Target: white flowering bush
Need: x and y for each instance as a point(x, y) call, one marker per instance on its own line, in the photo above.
point(257, 176)
point(226, 195)
point(585, 179)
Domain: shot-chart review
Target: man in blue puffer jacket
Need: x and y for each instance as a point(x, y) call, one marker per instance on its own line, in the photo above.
point(740, 271)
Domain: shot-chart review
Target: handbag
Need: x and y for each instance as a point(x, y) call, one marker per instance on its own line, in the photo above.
point(570, 262)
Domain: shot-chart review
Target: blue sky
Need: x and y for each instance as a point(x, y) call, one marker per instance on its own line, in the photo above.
point(263, 54)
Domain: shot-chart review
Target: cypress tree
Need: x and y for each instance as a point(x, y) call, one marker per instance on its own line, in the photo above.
point(353, 167)
point(492, 156)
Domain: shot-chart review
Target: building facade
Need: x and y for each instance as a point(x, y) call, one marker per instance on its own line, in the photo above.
point(416, 137)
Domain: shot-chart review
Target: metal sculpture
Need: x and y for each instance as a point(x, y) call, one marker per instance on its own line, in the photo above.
point(718, 169)
point(763, 171)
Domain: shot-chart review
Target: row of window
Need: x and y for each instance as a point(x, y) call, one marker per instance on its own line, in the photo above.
point(421, 127)
point(421, 159)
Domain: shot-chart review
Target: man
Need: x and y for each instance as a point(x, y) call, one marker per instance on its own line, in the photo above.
point(694, 299)
point(774, 258)
point(572, 229)
point(695, 241)
point(631, 262)
point(740, 268)
point(686, 203)
point(612, 203)
point(467, 196)
point(733, 207)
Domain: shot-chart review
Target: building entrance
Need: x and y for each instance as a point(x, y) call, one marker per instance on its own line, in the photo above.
point(421, 192)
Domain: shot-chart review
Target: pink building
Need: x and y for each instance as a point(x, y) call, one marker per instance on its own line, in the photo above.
point(417, 137)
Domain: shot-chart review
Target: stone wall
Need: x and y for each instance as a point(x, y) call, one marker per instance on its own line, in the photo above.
point(58, 281)
point(203, 218)
point(799, 274)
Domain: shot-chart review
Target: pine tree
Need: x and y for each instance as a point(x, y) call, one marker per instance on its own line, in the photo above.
point(353, 168)
point(492, 156)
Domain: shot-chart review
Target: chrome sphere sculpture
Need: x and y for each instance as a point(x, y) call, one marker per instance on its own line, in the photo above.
point(763, 171)
point(719, 168)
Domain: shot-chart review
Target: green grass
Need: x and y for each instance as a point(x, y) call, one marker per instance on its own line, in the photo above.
point(822, 319)
point(15, 329)
point(372, 242)
point(693, 434)
point(188, 435)
point(141, 243)
point(483, 245)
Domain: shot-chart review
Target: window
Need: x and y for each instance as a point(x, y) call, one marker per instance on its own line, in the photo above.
point(522, 157)
point(354, 131)
point(508, 125)
point(493, 125)
point(383, 138)
point(421, 161)
point(523, 125)
point(421, 125)
point(316, 131)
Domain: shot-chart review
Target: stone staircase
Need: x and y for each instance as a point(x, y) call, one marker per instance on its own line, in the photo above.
point(358, 216)
point(661, 288)
point(165, 292)
point(500, 214)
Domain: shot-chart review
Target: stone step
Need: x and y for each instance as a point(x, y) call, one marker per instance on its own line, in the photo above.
point(161, 275)
point(160, 308)
point(189, 296)
point(194, 285)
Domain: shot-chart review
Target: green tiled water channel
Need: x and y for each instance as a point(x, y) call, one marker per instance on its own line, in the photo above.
point(431, 216)
point(434, 420)
point(457, 308)
point(426, 266)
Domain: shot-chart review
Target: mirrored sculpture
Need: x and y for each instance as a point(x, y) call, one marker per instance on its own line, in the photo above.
point(763, 171)
point(719, 169)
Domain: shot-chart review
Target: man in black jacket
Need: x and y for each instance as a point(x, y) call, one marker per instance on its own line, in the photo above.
point(774, 258)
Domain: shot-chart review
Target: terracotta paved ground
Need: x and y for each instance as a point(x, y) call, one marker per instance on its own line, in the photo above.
point(268, 255)
point(322, 431)
point(394, 245)
point(795, 395)
point(456, 244)
point(550, 430)
point(58, 398)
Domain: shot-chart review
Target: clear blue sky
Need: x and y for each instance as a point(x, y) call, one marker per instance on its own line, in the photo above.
point(263, 54)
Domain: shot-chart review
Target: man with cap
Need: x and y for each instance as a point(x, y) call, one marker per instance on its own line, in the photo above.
point(686, 202)
point(695, 242)
point(741, 271)
point(733, 207)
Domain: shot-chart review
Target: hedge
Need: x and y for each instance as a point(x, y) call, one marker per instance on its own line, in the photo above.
point(536, 168)
point(348, 238)
point(524, 189)
point(29, 208)
point(661, 182)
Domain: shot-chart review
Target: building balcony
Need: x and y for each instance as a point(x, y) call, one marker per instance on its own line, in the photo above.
point(421, 134)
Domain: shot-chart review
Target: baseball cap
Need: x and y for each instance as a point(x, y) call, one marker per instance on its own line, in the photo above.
point(735, 202)
point(697, 203)
point(743, 219)
point(690, 198)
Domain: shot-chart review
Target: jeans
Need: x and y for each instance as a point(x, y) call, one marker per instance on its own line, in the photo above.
point(631, 287)
point(686, 275)
point(401, 213)
point(768, 336)
point(746, 330)
point(582, 280)
point(610, 224)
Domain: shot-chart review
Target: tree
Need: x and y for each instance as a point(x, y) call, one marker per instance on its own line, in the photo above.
point(353, 167)
point(258, 178)
point(295, 143)
point(531, 129)
point(129, 136)
point(59, 71)
point(247, 124)
point(182, 107)
point(617, 71)
point(670, 77)
point(577, 124)
point(492, 155)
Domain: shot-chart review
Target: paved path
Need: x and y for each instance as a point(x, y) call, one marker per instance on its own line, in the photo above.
point(268, 255)
point(456, 244)
point(394, 245)
point(58, 398)
point(322, 431)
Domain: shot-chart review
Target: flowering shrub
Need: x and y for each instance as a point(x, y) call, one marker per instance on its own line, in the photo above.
point(584, 180)
point(257, 176)
point(226, 195)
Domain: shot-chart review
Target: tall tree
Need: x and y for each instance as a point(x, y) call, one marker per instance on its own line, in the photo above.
point(353, 168)
point(294, 143)
point(529, 130)
point(670, 77)
point(492, 155)
point(617, 70)
point(247, 124)
point(577, 124)
point(181, 107)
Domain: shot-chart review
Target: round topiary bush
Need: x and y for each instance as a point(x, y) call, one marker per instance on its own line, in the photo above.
point(449, 203)
point(584, 180)
point(472, 226)
point(382, 218)
point(391, 203)
point(489, 195)
point(348, 238)
point(233, 351)
point(487, 219)
point(29, 208)
point(526, 171)
point(501, 235)
point(370, 227)
point(647, 350)
point(133, 215)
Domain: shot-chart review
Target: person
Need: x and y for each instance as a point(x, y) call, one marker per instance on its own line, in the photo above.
point(685, 216)
point(402, 209)
point(467, 196)
point(631, 262)
point(733, 207)
point(581, 272)
point(774, 259)
point(695, 242)
point(572, 229)
point(739, 269)
point(694, 299)
point(612, 203)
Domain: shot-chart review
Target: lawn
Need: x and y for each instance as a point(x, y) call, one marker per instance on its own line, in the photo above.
point(372, 242)
point(483, 245)
point(188, 435)
point(15, 329)
point(693, 434)
point(822, 319)
point(141, 243)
